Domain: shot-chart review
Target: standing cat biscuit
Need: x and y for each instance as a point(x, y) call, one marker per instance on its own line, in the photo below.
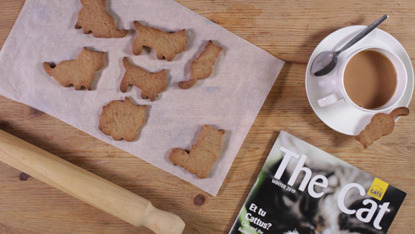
point(79, 72)
point(122, 119)
point(150, 84)
point(380, 125)
point(202, 66)
point(167, 45)
point(203, 154)
point(93, 18)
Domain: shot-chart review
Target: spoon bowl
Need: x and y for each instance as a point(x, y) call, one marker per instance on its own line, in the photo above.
point(325, 62)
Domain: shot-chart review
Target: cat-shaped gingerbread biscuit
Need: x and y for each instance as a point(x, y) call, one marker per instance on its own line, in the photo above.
point(149, 83)
point(94, 19)
point(202, 66)
point(166, 44)
point(79, 72)
point(199, 160)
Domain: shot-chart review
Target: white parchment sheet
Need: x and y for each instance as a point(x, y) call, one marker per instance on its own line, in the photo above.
point(230, 99)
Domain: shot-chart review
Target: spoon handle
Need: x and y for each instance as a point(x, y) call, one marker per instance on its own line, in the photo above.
point(363, 33)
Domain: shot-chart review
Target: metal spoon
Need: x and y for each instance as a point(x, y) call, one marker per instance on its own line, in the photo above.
point(327, 60)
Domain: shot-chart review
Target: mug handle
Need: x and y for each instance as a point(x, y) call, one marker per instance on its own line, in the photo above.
point(330, 99)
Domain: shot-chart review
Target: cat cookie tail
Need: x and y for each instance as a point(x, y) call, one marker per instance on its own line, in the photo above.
point(400, 111)
point(125, 81)
point(119, 33)
point(187, 84)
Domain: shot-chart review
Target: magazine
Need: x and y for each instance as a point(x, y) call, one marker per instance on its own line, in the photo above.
point(302, 189)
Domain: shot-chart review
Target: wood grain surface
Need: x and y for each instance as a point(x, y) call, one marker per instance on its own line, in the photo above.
point(289, 30)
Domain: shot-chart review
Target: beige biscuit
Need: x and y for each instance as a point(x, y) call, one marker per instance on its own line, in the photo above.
point(150, 84)
point(380, 125)
point(122, 119)
point(202, 66)
point(79, 72)
point(94, 18)
point(203, 153)
point(167, 45)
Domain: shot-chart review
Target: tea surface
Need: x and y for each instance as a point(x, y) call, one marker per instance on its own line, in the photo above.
point(370, 79)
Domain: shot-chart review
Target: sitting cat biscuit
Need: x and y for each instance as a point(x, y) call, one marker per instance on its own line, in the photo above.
point(94, 18)
point(203, 154)
point(167, 45)
point(202, 66)
point(380, 125)
point(79, 72)
point(122, 119)
point(150, 84)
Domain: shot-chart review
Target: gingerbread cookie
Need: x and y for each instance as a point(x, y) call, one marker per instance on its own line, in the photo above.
point(380, 125)
point(202, 66)
point(167, 45)
point(122, 119)
point(93, 18)
point(203, 154)
point(79, 72)
point(150, 84)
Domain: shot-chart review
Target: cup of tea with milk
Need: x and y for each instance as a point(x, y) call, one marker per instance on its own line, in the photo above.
point(371, 79)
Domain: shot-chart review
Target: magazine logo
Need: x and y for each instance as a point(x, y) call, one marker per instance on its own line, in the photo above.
point(376, 192)
point(378, 189)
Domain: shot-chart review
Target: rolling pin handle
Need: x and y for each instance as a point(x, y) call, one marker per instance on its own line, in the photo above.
point(160, 221)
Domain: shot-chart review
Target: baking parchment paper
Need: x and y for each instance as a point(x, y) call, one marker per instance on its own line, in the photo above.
point(230, 99)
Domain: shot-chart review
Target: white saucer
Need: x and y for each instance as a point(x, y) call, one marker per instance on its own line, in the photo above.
point(342, 116)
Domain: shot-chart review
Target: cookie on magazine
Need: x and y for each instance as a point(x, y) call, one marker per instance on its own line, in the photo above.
point(203, 153)
point(202, 66)
point(380, 125)
point(93, 18)
point(150, 84)
point(122, 119)
point(79, 72)
point(166, 44)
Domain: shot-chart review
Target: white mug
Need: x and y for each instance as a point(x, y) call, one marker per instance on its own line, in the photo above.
point(339, 92)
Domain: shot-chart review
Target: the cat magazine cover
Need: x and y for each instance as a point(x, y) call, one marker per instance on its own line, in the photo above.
point(302, 189)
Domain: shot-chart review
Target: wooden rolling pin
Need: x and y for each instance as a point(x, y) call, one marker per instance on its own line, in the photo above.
point(86, 186)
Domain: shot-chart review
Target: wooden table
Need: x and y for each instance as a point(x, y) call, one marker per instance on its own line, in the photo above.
point(290, 30)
